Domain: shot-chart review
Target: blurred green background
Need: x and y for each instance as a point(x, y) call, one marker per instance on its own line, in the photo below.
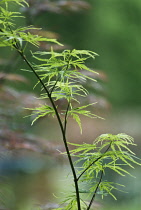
point(113, 30)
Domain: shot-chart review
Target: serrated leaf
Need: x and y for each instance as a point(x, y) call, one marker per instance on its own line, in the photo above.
point(41, 112)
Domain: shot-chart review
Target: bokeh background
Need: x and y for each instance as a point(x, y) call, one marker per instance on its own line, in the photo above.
point(29, 159)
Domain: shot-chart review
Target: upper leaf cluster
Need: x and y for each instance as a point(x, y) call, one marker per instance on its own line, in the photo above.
point(62, 74)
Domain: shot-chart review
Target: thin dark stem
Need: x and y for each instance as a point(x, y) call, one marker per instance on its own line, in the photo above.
point(54, 86)
point(94, 162)
point(93, 197)
point(59, 121)
point(61, 126)
point(66, 115)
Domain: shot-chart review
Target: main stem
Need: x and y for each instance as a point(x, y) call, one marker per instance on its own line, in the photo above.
point(60, 124)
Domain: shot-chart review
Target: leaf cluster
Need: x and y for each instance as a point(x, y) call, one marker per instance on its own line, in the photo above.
point(71, 203)
point(107, 152)
point(58, 6)
point(61, 74)
point(17, 37)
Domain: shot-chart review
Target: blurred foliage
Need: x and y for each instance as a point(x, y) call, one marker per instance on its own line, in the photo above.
point(113, 30)
point(15, 131)
point(57, 6)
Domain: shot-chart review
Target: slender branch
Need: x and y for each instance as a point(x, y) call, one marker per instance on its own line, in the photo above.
point(61, 126)
point(59, 121)
point(66, 115)
point(93, 197)
point(94, 162)
point(54, 86)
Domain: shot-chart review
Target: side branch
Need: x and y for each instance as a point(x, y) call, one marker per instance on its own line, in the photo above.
point(66, 115)
point(94, 162)
point(93, 197)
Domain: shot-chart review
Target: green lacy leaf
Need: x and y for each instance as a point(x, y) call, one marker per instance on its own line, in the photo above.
point(41, 111)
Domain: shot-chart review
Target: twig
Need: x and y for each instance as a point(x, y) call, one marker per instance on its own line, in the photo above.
point(59, 121)
point(94, 162)
point(61, 127)
point(92, 199)
point(54, 86)
point(66, 115)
